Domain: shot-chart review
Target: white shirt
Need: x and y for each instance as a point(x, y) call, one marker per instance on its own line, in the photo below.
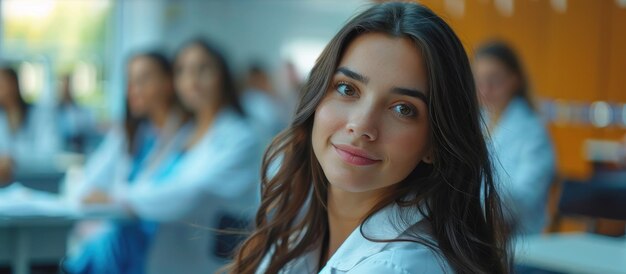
point(360, 255)
point(524, 162)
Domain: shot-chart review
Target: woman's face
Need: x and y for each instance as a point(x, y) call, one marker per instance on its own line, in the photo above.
point(149, 88)
point(197, 78)
point(495, 83)
point(372, 128)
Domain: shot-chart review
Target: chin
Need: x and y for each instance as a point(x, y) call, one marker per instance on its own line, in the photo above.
point(349, 182)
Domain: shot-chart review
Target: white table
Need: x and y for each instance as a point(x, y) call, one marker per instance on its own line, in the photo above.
point(574, 253)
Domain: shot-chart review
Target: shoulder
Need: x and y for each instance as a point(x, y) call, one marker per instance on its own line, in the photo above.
point(404, 258)
point(232, 128)
point(524, 122)
point(230, 121)
point(230, 137)
point(524, 113)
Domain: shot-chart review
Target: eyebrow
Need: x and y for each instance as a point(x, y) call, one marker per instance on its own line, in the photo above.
point(411, 92)
point(354, 75)
point(402, 91)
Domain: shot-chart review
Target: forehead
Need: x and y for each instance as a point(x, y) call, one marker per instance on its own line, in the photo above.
point(142, 64)
point(488, 64)
point(195, 53)
point(387, 60)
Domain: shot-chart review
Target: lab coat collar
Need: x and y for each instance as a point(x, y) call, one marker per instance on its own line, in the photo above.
point(517, 110)
point(387, 224)
point(225, 119)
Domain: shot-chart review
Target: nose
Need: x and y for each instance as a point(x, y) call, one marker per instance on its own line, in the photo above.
point(363, 123)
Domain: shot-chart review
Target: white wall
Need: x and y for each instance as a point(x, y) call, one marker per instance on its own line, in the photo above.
point(137, 25)
point(1, 32)
point(255, 29)
point(245, 29)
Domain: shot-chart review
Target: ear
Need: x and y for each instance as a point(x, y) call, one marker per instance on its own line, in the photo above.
point(428, 158)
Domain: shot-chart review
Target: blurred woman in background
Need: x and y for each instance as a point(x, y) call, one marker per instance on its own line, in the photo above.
point(262, 106)
point(76, 123)
point(213, 181)
point(523, 154)
point(153, 118)
point(28, 136)
point(208, 182)
point(153, 122)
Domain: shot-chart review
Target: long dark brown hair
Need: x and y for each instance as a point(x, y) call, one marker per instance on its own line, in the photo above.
point(456, 194)
point(131, 123)
point(23, 106)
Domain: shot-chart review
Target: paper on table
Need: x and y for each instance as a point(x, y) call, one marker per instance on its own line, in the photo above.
point(17, 200)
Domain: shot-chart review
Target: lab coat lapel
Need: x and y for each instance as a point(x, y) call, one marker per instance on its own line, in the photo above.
point(386, 224)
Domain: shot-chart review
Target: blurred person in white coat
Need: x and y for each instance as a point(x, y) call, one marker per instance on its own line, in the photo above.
point(523, 153)
point(153, 119)
point(215, 184)
point(29, 140)
point(76, 123)
point(210, 183)
point(262, 105)
point(153, 124)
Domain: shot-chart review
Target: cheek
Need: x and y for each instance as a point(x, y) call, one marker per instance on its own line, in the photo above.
point(406, 147)
point(328, 120)
point(186, 89)
point(153, 94)
point(210, 86)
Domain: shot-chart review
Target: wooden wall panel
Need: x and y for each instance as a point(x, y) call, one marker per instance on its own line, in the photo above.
point(576, 55)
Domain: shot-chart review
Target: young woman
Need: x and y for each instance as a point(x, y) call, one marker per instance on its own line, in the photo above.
point(384, 168)
point(526, 161)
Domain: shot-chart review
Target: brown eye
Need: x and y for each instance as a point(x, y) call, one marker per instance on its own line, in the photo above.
point(404, 110)
point(345, 89)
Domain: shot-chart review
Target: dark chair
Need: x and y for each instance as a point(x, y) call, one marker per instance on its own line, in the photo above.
point(603, 196)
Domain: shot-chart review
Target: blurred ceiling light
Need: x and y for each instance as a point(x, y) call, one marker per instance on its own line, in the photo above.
point(601, 114)
point(84, 80)
point(621, 3)
point(27, 9)
point(505, 7)
point(31, 79)
point(455, 8)
point(559, 6)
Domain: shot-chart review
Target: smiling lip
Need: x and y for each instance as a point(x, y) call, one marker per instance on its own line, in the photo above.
point(355, 156)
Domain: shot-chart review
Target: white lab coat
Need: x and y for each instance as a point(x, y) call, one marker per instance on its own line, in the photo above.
point(75, 121)
point(524, 162)
point(35, 146)
point(268, 115)
point(359, 255)
point(220, 174)
point(108, 168)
